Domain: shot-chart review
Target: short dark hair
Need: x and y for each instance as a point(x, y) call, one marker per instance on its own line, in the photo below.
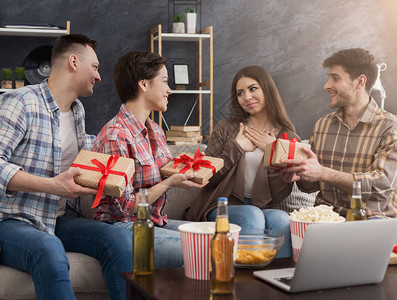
point(355, 62)
point(133, 67)
point(274, 105)
point(66, 43)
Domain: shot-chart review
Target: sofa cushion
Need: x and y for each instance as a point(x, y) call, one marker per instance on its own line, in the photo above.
point(86, 203)
point(178, 200)
point(85, 274)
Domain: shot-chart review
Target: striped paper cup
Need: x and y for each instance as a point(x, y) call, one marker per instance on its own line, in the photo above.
point(298, 229)
point(195, 238)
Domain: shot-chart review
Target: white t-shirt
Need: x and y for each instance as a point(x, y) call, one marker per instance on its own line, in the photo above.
point(70, 149)
point(252, 161)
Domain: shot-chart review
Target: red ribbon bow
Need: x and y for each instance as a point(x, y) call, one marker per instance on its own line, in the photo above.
point(105, 172)
point(196, 163)
point(291, 149)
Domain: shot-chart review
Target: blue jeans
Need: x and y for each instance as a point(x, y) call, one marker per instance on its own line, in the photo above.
point(29, 249)
point(167, 244)
point(252, 217)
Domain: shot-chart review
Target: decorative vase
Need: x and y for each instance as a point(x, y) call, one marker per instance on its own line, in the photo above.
point(19, 83)
point(178, 27)
point(6, 84)
point(191, 22)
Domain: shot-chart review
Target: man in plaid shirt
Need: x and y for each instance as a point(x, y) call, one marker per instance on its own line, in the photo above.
point(41, 131)
point(358, 142)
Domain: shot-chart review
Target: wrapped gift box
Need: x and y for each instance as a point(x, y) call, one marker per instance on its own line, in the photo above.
point(115, 183)
point(203, 174)
point(281, 150)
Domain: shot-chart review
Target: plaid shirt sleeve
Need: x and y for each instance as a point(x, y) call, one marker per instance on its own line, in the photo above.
point(12, 131)
point(89, 141)
point(379, 182)
point(119, 208)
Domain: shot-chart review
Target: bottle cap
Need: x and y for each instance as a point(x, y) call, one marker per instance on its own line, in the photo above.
point(222, 199)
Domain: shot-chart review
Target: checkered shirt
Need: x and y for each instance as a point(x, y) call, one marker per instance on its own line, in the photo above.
point(124, 135)
point(30, 141)
point(368, 151)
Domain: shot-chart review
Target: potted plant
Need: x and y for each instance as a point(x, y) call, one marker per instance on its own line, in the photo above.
point(191, 17)
point(178, 26)
point(20, 73)
point(6, 82)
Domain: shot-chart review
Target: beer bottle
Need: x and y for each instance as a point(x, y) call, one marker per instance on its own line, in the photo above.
point(222, 265)
point(143, 231)
point(357, 210)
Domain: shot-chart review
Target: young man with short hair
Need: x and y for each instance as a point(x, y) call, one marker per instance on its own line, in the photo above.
point(41, 131)
point(358, 142)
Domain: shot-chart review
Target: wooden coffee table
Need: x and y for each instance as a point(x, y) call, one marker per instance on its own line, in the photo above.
point(173, 284)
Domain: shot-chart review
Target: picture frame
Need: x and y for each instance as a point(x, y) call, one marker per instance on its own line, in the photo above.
point(181, 74)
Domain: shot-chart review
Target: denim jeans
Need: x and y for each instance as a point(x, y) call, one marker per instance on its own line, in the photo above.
point(167, 243)
point(252, 217)
point(26, 248)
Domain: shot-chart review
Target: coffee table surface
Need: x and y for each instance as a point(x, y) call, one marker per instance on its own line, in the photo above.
point(173, 284)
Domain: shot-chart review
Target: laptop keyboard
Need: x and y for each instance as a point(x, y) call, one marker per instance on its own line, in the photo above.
point(285, 280)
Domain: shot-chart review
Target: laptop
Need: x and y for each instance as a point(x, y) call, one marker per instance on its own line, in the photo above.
point(338, 255)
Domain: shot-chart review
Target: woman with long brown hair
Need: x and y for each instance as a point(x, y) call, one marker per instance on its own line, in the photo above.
point(257, 118)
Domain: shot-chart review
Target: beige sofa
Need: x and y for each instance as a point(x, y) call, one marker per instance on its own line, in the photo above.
point(85, 271)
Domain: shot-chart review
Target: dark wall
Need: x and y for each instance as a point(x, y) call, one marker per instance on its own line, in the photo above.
point(289, 38)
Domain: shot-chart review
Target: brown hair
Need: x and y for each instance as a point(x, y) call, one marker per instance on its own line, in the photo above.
point(133, 67)
point(67, 43)
point(274, 105)
point(355, 62)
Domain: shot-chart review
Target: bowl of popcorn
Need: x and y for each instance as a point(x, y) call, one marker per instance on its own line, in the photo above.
point(257, 248)
point(299, 220)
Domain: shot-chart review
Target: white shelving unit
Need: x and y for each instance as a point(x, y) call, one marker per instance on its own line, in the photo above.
point(34, 33)
point(156, 35)
point(182, 37)
point(191, 91)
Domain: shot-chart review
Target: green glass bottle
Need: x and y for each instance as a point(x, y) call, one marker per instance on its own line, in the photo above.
point(221, 247)
point(357, 210)
point(143, 235)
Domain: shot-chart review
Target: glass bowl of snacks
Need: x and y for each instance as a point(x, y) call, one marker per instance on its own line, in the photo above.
point(257, 248)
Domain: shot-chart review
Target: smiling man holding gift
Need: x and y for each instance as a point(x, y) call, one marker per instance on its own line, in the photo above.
point(41, 131)
point(358, 142)
point(141, 81)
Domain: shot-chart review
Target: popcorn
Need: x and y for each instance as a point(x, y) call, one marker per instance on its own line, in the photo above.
point(317, 214)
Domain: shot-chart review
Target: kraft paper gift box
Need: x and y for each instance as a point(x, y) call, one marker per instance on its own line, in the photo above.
point(96, 165)
point(282, 149)
point(204, 166)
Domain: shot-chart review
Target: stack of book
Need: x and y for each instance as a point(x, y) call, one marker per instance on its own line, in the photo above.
point(183, 134)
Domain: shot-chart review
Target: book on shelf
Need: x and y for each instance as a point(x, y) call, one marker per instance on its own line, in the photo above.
point(185, 128)
point(170, 133)
point(184, 139)
point(178, 143)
